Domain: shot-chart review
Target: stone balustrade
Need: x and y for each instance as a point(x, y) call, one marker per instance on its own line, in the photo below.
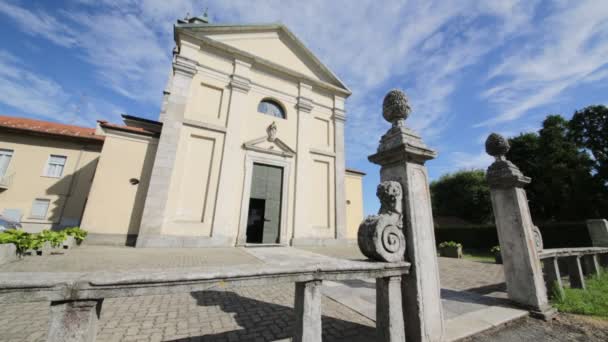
point(579, 262)
point(76, 298)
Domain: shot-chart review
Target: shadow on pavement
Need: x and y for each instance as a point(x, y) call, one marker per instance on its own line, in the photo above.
point(263, 321)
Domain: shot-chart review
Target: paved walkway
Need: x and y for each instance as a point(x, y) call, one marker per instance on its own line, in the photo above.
point(236, 313)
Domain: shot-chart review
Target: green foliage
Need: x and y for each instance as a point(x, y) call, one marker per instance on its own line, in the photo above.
point(589, 129)
point(562, 188)
point(495, 249)
point(78, 233)
point(450, 244)
point(464, 194)
point(22, 240)
point(55, 239)
point(592, 301)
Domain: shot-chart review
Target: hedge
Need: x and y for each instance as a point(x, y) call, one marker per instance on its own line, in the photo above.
point(555, 235)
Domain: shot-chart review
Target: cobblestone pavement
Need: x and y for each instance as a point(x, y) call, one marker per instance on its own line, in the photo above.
point(104, 258)
point(455, 274)
point(228, 314)
point(223, 314)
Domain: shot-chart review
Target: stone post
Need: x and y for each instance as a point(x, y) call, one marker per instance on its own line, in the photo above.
point(308, 312)
point(389, 312)
point(598, 231)
point(401, 155)
point(553, 277)
point(153, 215)
point(516, 232)
point(74, 321)
point(575, 272)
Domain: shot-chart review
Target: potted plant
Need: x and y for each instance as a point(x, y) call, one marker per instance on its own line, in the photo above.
point(77, 233)
point(450, 249)
point(51, 240)
point(497, 255)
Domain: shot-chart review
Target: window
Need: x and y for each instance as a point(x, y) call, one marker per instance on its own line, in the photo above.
point(5, 159)
point(55, 166)
point(40, 208)
point(271, 108)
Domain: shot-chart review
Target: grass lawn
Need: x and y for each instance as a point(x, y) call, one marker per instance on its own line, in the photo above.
point(593, 301)
point(478, 255)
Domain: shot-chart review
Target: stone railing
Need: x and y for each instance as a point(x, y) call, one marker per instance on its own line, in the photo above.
point(579, 262)
point(76, 298)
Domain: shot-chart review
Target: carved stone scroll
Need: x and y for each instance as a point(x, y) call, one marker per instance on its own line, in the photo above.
point(381, 236)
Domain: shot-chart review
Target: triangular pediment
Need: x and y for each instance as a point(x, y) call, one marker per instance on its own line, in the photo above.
point(274, 43)
point(270, 143)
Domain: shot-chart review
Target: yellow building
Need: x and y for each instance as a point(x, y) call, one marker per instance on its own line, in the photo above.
point(248, 149)
point(46, 170)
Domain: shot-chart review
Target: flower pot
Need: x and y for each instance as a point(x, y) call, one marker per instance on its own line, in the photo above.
point(69, 242)
point(8, 253)
point(498, 258)
point(451, 252)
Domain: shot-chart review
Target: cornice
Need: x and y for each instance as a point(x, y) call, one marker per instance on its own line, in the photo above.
point(304, 104)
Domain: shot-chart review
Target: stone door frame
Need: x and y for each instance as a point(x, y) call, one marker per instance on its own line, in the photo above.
point(254, 157)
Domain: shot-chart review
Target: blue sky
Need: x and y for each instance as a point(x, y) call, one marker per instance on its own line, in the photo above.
point(469, 67)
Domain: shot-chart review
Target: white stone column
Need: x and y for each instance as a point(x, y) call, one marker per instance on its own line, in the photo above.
point(340, 168)
point(301, 218)
point(226, 222)
point(523, 272)
point(158, 190)
point(308, 312)
point(74, 321)
point(402, 155)
point(389, 312)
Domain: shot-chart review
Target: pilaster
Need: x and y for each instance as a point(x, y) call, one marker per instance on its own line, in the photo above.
point(173, 109)
point(304, 106)
point(339, 117)
point(226, 222)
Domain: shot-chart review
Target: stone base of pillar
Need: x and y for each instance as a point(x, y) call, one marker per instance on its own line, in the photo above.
point(308, 312)
point(74, 321)
point(545, 314)
point(389, 312)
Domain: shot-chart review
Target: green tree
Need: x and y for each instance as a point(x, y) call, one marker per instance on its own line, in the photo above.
point(464, 194)
point(589, 129)
point(562, 187)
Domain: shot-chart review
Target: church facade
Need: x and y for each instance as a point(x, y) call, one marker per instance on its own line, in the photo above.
point(248, 149)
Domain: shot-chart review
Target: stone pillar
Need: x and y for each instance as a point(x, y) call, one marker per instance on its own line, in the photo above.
point(402, 155)
point(523, 272)
point(301, 226)
point(340, 167)
point(591, 265)
point(575, 272)
point(389, 312)
point(74, 321)
point(173, 115)
point(598, 231)
point(553, 277)
point(308, 311)
point(226, 222)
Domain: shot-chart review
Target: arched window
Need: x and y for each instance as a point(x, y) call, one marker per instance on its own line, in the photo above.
point(272, 108)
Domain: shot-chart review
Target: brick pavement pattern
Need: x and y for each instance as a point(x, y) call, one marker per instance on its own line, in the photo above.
point(223, 314)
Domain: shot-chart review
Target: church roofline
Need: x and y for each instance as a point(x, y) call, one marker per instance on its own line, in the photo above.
point(186, 29)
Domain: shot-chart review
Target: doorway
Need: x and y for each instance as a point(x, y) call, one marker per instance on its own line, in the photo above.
point(264, 216)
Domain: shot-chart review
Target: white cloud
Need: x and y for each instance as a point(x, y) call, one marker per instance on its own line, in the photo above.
point(464, 160)
point(28, 92)
point(39, 24)
point(569, 47)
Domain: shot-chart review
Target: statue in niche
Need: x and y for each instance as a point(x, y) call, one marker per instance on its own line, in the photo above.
point(381, 237)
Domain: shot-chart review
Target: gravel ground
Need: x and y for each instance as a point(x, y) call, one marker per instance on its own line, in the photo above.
point(564, 327)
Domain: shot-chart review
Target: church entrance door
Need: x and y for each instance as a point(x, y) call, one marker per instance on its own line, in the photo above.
point(264, 217)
